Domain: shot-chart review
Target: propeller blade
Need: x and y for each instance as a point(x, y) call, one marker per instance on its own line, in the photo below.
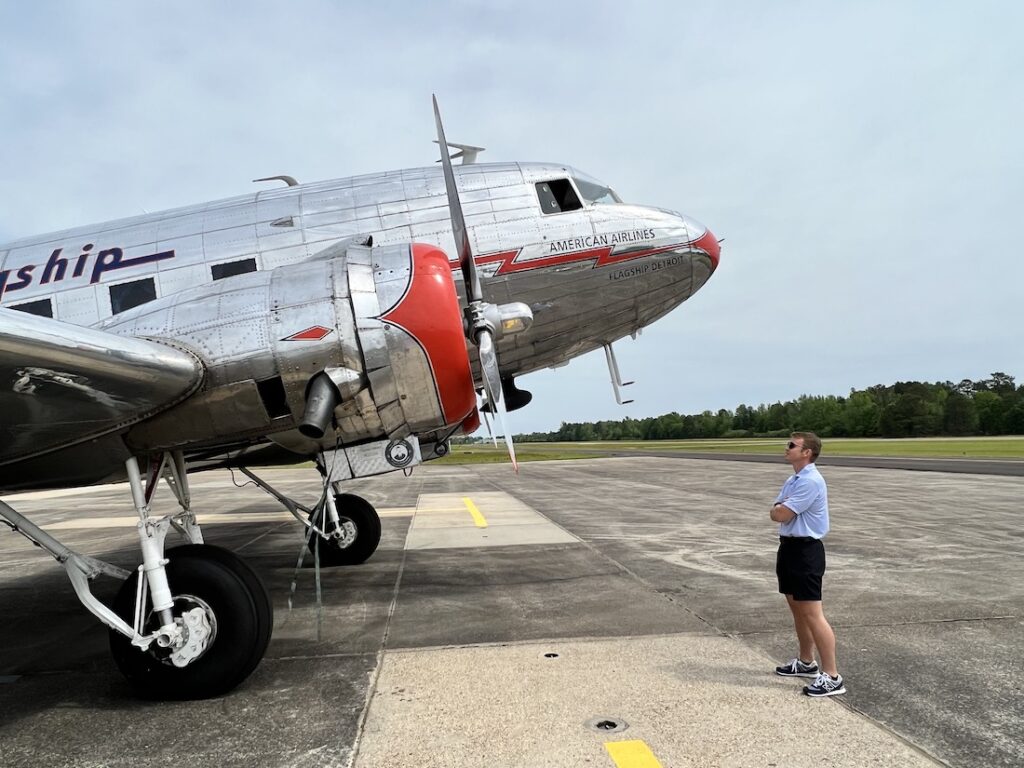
point(469, 273)
point(489, 366)
point(481, 326)
point(490, 432)
point(494, 391)
point(508, 437)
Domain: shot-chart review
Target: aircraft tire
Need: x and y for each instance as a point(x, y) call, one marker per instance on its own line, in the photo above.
point(241, 628)
point(261, 596)
point(367, 523)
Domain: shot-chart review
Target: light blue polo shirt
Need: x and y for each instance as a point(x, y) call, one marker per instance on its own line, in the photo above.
point(805, 493)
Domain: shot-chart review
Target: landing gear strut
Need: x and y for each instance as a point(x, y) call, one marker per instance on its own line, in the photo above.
point(352, 529)
point(345, 528)
point(226, 617)
point(190, 625)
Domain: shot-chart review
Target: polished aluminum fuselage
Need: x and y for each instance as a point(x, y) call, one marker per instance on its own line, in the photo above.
point(577, 305)
point(590, 275)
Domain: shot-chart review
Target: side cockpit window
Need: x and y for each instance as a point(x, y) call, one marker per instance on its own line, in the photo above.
point(557, 196)
point(594, 191)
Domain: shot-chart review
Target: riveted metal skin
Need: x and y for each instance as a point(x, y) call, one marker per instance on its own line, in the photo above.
point(239, 329)
point(590, 273)
point(355, 318)
point(248, 333)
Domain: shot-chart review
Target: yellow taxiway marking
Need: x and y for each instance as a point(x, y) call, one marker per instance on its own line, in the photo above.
point(631, 754)
point(480, 520)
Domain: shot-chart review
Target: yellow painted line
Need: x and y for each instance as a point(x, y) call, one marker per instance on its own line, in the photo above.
point(631, 754)
point(480, 520)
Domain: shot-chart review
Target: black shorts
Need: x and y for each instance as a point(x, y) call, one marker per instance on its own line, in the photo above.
point(800, 565)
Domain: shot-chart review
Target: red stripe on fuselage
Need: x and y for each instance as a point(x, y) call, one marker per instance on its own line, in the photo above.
point(600, 257)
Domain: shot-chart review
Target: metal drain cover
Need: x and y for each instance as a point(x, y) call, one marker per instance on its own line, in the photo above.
point(607, 724)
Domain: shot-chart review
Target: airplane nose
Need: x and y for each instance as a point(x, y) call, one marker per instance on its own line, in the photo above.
point(706, 242)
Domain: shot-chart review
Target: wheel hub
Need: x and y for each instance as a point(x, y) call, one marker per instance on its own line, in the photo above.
point(344, 534)
point(197, 637)
point(197, 629)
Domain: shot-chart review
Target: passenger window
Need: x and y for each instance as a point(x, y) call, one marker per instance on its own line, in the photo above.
point(43, 307)
point(128, 295)
point(557, 196)
point(232, 268)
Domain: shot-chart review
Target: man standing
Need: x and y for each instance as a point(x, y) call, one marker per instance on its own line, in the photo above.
point(801, 509)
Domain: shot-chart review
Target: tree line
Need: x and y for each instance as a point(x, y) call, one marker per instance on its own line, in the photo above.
point(992, 406)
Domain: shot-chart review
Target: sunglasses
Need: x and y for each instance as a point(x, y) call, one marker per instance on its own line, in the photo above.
point(791, 445)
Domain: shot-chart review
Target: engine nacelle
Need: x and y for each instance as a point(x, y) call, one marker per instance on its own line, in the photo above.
point(360, 344)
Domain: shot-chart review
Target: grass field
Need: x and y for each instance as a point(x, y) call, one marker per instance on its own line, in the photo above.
point(488, 454)
point(930, 447)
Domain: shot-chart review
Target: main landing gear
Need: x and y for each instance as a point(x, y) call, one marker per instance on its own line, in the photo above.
point(226, 618)
point(345, 528)
point(191, 625)
point(194, 622)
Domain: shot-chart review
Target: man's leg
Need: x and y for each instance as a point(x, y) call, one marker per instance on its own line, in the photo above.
point(811, 614)
point(803, 631)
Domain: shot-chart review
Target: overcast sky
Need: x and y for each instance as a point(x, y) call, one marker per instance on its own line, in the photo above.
point(863, 161)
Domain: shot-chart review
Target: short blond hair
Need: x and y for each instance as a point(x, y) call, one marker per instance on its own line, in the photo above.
point(811, 441)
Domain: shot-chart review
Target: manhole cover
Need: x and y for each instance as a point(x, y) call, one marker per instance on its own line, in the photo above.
point(607, 725)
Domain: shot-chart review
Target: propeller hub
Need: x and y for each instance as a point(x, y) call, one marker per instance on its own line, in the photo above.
point(499, 320)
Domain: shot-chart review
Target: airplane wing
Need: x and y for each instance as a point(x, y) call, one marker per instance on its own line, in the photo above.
point(61, 384)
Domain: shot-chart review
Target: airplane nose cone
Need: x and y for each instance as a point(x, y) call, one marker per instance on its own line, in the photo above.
point(710, 245)
point(706, 242)
point(701, 239)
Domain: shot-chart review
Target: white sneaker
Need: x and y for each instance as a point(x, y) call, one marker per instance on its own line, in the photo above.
point(797, 668)
point(825, 685)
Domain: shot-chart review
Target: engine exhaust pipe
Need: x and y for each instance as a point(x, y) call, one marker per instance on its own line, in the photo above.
point(322, 398)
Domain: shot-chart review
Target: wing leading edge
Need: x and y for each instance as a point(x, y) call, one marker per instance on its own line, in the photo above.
point(61, 384)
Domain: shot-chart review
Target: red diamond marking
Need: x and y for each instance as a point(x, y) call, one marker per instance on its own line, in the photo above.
point(315, 333)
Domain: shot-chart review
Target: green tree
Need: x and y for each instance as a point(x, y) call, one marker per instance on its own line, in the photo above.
point(1014, 422)
point(999, 382)
point(961, 415)
point(905, 416)
point(991, 412)
point(909, 408)
point(631, 429)
point(965, 387)
point(777, 418)
point(819, 414)
point(744, 418)
point(861, 414)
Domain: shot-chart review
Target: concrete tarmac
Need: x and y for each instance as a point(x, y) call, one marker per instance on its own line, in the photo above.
point(609, 612)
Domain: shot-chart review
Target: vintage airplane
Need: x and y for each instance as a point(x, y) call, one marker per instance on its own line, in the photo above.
point(309, 321)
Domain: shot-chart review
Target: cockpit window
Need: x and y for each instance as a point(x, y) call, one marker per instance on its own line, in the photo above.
point(593, 191)
point(557, 196)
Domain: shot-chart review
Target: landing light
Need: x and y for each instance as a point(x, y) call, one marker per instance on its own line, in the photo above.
point(499, 319)
point(515, 317)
